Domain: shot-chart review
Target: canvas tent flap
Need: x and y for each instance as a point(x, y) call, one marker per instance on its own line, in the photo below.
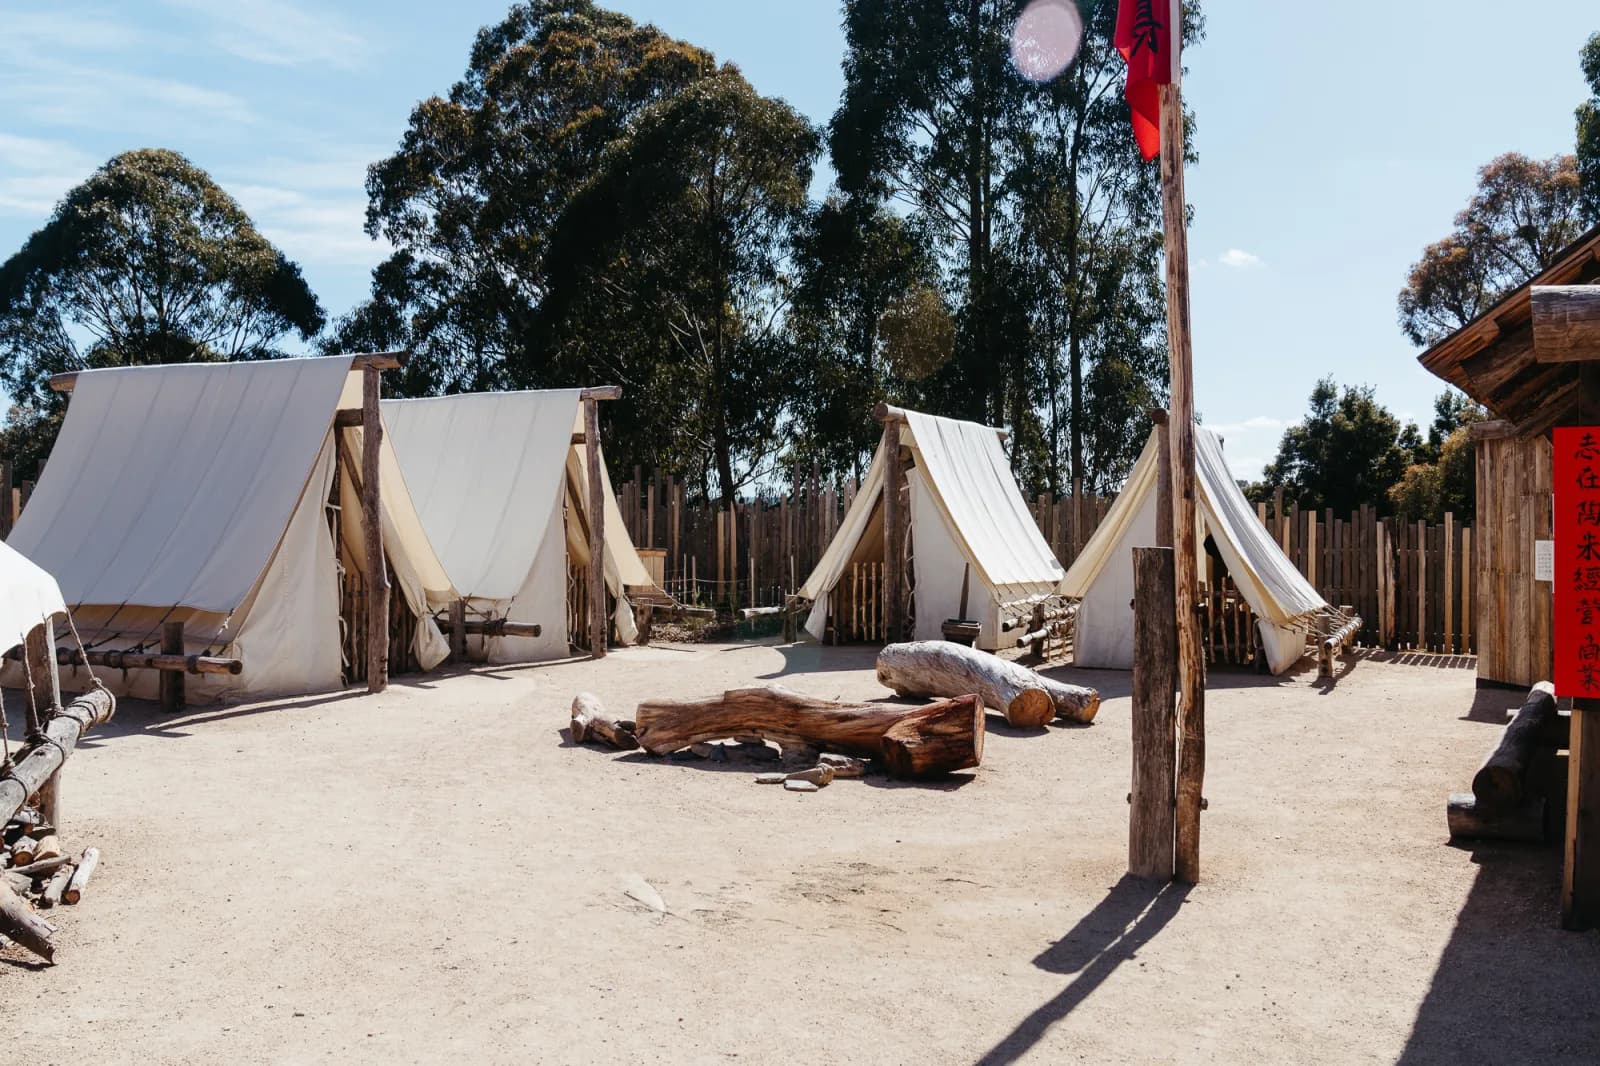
point(28, 596)
point(836, 559)
point(173, 488)
point(484, 472)
point(968, 472)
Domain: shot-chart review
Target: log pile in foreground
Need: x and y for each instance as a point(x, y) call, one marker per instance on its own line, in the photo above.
point(36, 870)
point(1026, 697)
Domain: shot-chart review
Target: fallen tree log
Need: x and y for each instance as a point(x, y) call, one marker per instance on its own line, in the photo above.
point(590, 722)
point(1469, 821)
point(930, 740)
point(1027, 699)
point(62, 732)
point(20, 923)
point(1498, 784)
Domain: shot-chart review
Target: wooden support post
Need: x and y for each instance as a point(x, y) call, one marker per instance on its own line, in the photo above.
point(377, 575)
point(45, 692)
point(171, 681)
point(1155, 740)
point(1580, 884)
point(894, 535)
point(458, 631)
point(1163, 479)
point(1191, 664)
point(597, 531)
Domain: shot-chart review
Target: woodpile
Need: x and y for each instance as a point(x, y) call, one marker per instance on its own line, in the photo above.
point(36, 871)
point(1519, 793)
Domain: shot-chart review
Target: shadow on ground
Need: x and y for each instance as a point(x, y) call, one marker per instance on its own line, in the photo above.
point(1111, 934)
point(1511, 985)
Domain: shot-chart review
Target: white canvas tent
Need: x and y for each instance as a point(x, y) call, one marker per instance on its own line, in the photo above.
point(206, 493)
point(1102, 577)
point(501, 490)
point(28, 597)
point(966, 511)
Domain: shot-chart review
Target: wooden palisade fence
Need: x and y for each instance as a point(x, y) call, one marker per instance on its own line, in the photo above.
point(1411, 582)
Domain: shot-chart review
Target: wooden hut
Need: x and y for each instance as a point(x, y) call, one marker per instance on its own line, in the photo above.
point(1529, 389)
point(1533, 360)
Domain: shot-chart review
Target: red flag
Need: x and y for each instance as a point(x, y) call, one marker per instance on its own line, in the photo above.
point(1148, 36)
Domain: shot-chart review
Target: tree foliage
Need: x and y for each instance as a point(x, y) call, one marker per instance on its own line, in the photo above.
point(1348, 450)
point(147, 261)
point(1524, 213)
point(1589, 131)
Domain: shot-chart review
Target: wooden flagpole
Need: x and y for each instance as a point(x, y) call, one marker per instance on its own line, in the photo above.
point(1180, 436)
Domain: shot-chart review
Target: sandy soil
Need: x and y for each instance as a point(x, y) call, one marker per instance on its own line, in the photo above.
point(436, 875)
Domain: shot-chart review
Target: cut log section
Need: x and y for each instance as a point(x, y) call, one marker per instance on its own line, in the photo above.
point(1468, 820)
point(935, 739)
point(590, 722)
point(1027, 699)
point(19, 922)
point(1498, 784)
point(57, 885)
point(80, 876)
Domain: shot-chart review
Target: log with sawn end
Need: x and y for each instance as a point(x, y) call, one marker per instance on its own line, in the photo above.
point(935, 739)
point(1027, 698)
point(1498, 784)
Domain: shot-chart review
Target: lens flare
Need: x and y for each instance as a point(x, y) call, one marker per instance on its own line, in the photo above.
point(1046, 38)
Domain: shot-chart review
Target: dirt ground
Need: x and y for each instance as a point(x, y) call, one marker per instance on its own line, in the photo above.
point(437, 875)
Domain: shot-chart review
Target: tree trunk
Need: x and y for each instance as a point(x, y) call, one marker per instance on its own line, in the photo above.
point(1026, 698)
point(20, 923)
point(1498, 783)
point(935, 739)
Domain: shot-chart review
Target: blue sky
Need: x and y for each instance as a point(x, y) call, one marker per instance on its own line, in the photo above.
point(1335, 141)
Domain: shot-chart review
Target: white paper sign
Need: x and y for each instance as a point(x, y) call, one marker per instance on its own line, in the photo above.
point(1544, 560)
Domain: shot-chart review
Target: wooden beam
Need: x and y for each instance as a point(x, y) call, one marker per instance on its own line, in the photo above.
point(144, 660)
point(1155, 741)
point(894, 534)
point(377, 574)
point(347, 419)
point(887, 413)
point(42, 761)
point(65, 381)
point(489, 627)
point(1191, 664)
point(597, 531)
point(1496, 429)
point(171, 681)
point(601, 392)
point(1566, 323)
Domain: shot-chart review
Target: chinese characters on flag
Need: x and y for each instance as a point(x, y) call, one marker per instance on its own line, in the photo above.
point(1577, 585)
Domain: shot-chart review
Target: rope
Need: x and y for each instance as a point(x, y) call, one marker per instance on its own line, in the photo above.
point(84, 652)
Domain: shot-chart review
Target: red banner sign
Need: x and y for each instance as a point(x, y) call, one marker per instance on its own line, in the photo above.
point(1577, 554)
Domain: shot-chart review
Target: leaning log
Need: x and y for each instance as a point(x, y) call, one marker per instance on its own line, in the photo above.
point(590, 722)
point(1027, 699)
point(953, 741)
point(20, 923)
point(1498, 783)
point(1469, 821)
point(62, 732)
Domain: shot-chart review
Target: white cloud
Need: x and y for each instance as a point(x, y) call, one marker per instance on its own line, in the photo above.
point(1254, 424)
point(280, 33)
point(314, 208)
point(37, 173)
point(1239, 259)
point(50, 93)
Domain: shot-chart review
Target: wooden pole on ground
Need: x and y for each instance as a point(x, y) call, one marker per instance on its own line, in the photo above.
point(597, 517)
point(171, 680)
point(894, 534)
point(377, 575)
point(1191, 666)
point(1155, 750)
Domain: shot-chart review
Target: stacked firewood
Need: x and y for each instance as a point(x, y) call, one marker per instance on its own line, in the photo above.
point(37, 873)
point(818, 740)
point(1520, 791)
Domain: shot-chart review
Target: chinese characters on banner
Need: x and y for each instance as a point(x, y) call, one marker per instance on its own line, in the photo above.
point(1577, 585)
